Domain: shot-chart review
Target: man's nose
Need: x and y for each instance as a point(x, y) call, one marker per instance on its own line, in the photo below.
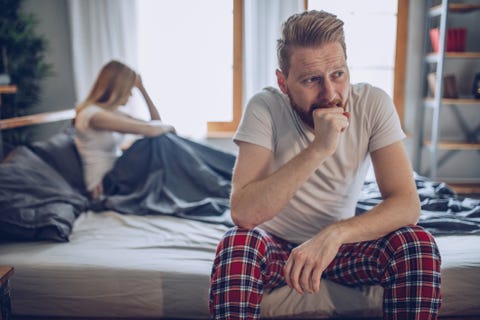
point(327, 92)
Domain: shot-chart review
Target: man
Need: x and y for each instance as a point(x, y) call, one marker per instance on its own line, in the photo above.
point(303, 156)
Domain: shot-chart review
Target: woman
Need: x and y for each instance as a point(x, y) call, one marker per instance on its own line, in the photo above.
point(100, 126)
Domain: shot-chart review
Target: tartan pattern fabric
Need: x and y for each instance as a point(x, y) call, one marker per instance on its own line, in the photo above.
point(406, 263)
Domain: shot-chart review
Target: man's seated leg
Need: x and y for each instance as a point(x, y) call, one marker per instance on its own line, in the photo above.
point(405, 262)
point(246, 263)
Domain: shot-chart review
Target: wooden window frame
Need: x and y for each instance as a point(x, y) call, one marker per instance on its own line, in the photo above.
point(399, 68)
point(227, 128)
point(220, 129)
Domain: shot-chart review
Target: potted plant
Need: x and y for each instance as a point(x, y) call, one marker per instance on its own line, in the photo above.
point(22, 63)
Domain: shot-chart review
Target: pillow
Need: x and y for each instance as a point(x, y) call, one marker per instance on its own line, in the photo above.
point(36, 202)
point(61, 153)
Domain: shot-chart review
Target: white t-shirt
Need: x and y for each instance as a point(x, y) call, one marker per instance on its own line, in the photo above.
point(98, 148)
point(331, 193)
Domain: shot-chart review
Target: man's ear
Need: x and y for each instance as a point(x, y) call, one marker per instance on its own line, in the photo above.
point(281, 81)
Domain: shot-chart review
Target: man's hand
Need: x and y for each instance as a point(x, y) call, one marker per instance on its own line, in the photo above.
point(307, 262)
point(329, 123)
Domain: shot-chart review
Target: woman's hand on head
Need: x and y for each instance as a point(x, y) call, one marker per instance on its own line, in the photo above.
point(154, 115)
point(138, 82)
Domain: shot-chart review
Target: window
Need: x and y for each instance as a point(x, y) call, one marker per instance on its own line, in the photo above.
point(195, 74)
point(370, 29)
point(188, 67)
point(376, 34)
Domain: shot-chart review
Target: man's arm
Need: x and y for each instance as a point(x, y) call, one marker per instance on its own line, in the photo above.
point(258, 193)
point(400, 207)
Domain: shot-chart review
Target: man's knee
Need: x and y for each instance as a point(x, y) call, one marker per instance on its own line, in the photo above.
point(242, 237)
point(239, 240)
point(413, 243)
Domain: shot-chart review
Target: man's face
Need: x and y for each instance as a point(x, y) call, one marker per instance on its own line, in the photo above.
point(318, 78)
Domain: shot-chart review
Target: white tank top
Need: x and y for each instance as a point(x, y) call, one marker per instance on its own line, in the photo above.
point(98, 149)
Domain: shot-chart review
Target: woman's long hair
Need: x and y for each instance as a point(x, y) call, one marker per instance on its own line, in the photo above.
point(113, 83)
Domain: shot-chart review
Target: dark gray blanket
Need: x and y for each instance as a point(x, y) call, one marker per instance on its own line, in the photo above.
point(36, 202)
point(171, 175)
point(443, 212)
point(42, 190)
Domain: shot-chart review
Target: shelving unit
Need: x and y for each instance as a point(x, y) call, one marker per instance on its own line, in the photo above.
point(440, 151)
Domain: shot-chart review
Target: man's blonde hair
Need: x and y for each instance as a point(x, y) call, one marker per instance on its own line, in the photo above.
point(308, 29)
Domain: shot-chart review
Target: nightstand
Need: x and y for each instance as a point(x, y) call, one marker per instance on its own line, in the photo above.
point(5, 306)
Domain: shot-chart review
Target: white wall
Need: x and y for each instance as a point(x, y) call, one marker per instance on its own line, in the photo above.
point(59, 90)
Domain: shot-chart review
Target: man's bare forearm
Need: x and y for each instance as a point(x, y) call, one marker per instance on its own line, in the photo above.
point(261, 200)
point(391, 214)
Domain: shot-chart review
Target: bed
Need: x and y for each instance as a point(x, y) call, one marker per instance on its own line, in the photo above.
point(139, 254)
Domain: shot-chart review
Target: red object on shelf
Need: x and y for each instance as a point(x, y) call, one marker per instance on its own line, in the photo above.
point(456, 39)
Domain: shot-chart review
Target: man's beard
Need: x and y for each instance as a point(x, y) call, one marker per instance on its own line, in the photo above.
point(307, 116)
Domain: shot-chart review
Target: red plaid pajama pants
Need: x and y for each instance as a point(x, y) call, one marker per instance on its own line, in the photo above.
point(406, 263)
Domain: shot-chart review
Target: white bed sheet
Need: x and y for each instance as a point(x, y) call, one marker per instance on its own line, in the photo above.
point(158, 266)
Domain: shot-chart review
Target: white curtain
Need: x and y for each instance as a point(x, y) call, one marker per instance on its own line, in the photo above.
point(263, 22)
point(106, 29)
point(101, 30)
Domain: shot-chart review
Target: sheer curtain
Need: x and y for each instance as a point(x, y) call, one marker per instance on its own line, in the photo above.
point(262, 27)
point(107, 29)
point(101, 30)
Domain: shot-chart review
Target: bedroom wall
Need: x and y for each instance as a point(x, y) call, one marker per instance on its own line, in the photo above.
point(58, 89)
point(58, 92)
point(463, 165)
point(413, 83)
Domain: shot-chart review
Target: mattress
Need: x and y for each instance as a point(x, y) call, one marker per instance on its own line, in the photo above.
point(118, 265)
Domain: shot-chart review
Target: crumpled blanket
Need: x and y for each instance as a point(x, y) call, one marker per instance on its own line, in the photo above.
point(42, 190)
point(171, 175)
point(36, 202)
point(443, 211)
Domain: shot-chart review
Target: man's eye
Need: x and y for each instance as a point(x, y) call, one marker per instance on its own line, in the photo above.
point(338, 74)
point(311, 80)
